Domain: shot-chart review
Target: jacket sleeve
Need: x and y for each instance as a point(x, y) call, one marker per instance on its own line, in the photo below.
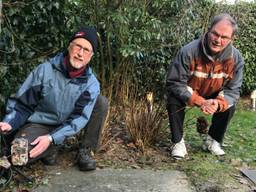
point(177, 79)
point(79, 116)
point(22, 105)
point(231, 89)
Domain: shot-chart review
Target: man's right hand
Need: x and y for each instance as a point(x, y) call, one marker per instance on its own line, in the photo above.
point(5, 127)
point(210, 106)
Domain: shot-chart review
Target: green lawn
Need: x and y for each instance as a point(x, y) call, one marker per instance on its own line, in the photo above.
point(239, 145)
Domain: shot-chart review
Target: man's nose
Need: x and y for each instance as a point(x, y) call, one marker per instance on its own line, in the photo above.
point(81, 52)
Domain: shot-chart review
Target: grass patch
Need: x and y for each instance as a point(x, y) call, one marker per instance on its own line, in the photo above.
point(239, 145)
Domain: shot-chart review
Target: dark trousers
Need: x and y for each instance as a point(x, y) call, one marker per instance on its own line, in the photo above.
point(88, 137)
point(176, 113)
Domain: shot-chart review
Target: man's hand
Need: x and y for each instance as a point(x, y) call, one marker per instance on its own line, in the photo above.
point(41, 144)
point(5, 127)
point(210, 106)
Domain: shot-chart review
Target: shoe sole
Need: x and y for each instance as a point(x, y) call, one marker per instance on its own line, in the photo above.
point(179, 157)
point(86, 169)
point(216, 154)
point(91, 167)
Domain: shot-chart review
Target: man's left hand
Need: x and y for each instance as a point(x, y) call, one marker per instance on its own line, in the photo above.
point(41, 144)
point(210, 106)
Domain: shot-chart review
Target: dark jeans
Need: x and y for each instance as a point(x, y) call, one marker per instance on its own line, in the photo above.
point(176, 113)
point(89, 136)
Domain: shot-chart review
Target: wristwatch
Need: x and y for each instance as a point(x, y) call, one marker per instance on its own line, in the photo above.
point(50, 138)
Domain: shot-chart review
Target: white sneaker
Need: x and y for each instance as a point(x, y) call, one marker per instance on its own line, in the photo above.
point(214, 147)
point(207, 141)
point(179, 150)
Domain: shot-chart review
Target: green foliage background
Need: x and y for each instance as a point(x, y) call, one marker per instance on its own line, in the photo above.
point(138, 38)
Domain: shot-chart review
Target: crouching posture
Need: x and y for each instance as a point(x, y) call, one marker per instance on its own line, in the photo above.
point(59, 98)
point(206, 73)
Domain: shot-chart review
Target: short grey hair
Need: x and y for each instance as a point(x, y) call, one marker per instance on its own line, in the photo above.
point(227, 17)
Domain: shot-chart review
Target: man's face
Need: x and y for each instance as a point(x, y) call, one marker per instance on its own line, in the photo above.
point(220, 36)
point(80, 52)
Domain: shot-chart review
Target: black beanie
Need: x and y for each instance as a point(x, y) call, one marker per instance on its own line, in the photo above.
point(88, 33)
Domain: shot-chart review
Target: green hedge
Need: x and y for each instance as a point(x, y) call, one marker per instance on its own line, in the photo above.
point(138, 38)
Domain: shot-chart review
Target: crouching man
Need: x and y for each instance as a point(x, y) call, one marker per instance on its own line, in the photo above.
point(60, 98)
point(206, 73)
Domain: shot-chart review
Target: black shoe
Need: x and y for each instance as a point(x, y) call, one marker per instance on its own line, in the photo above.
point(85, 161)
point(51, 158)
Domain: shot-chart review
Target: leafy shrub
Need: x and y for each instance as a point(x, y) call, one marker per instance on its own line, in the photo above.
point(138, 39)
point(30, 32)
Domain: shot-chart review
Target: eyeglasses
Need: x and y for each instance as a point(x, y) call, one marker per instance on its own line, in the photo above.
point(76, 47)
point(216, 35)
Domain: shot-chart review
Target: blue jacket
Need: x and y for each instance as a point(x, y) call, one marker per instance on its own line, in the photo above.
point(50, 97)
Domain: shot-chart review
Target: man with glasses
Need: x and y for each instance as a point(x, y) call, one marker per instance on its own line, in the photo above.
point(206, 73)
point(60, 98)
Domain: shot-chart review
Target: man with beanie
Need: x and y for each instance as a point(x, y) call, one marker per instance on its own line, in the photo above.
point(206, 73)
point(60, 98)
